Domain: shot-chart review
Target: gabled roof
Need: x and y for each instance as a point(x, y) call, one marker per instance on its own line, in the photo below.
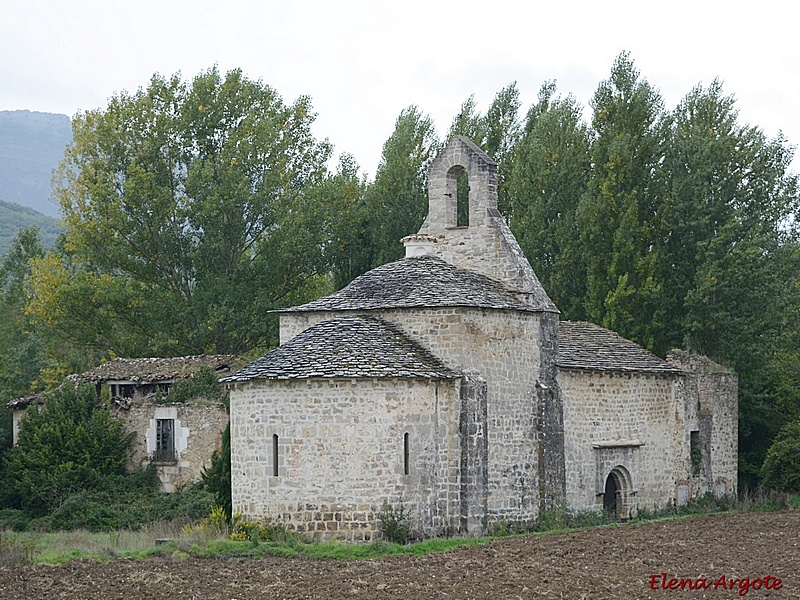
point(587, 346)
point(149, 370)
point(347, 347)
point(421, 282)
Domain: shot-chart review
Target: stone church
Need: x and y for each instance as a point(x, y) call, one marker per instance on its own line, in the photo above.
point(446, 381)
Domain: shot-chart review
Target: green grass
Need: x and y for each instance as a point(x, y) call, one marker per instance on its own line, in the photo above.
point(60, 547)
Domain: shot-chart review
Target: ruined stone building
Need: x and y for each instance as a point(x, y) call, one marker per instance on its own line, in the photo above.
point(178, 437)
point(446, 381)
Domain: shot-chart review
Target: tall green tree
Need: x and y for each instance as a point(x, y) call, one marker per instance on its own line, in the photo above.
point(21, 353)
point(348, 250)
point(728, 200)
point(398, 197)
point(190, 203)
point(730, 257)
point(781, 469)
point(497, 133)
point(550, 176)
point(469, 122)
point(618, 217)
point(503, 131)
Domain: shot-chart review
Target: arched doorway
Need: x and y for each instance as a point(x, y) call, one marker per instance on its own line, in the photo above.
point(616, 493)
point(612, 490)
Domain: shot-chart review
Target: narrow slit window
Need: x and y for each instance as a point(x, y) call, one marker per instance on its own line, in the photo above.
point(275, 455)
point(695, 452)
point(405, 454)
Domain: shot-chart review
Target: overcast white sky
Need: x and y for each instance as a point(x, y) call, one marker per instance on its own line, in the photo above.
point(362, 62)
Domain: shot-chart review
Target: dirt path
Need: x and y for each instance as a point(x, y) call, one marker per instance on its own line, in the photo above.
point(602, 563)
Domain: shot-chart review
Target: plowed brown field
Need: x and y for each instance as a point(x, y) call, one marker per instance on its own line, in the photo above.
point(616, 562)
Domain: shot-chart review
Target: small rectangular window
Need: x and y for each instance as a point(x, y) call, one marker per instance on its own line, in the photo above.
point(165, 440)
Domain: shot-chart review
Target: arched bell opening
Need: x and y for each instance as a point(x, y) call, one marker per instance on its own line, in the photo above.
point(458, 191)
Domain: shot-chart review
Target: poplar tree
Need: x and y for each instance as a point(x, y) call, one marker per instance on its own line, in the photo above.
point(188, 215)
point(730, 258)
point(549, 178)
point(618, 217)
point(398, 197)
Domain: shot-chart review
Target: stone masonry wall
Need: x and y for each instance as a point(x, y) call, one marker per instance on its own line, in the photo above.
point(474, 455)
point(341, 453)
point(711, 399)
point(629, 420)
point(501, 347)
point(17, 417)
point(550, 401)
point(198, 432)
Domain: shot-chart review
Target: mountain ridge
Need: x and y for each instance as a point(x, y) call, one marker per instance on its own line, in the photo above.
point(31, 146)
point(14, 217)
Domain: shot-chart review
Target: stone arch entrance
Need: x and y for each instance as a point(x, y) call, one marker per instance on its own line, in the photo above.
point(615, 494)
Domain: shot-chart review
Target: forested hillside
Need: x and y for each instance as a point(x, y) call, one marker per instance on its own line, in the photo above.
point(194, 208)
point(14, 217)
point(31, 146)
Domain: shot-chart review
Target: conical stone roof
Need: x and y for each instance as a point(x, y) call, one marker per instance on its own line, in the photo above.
point(347, 347)
point(422, 282)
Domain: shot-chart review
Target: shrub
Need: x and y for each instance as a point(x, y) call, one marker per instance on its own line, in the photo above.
point(127, 502)
point(71, 444)
point(14, 519)
point(217, 477)
point(781, 468)
point(80, 511)
point(203, 384)
point(255, 530)
point(396, 522)
point(214, 525)
point(17, 550)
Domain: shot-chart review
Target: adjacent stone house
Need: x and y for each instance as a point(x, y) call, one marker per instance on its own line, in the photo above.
point(445, 381)
point(178, 437)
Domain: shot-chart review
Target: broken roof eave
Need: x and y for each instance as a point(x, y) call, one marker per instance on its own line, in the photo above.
point(23, 403)
point(153, 370)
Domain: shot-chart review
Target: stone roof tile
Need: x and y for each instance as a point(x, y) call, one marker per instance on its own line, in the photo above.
point(347, 347)
point(148, 370)
point(26, 401)
point(587, 346)
point(421, 282)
